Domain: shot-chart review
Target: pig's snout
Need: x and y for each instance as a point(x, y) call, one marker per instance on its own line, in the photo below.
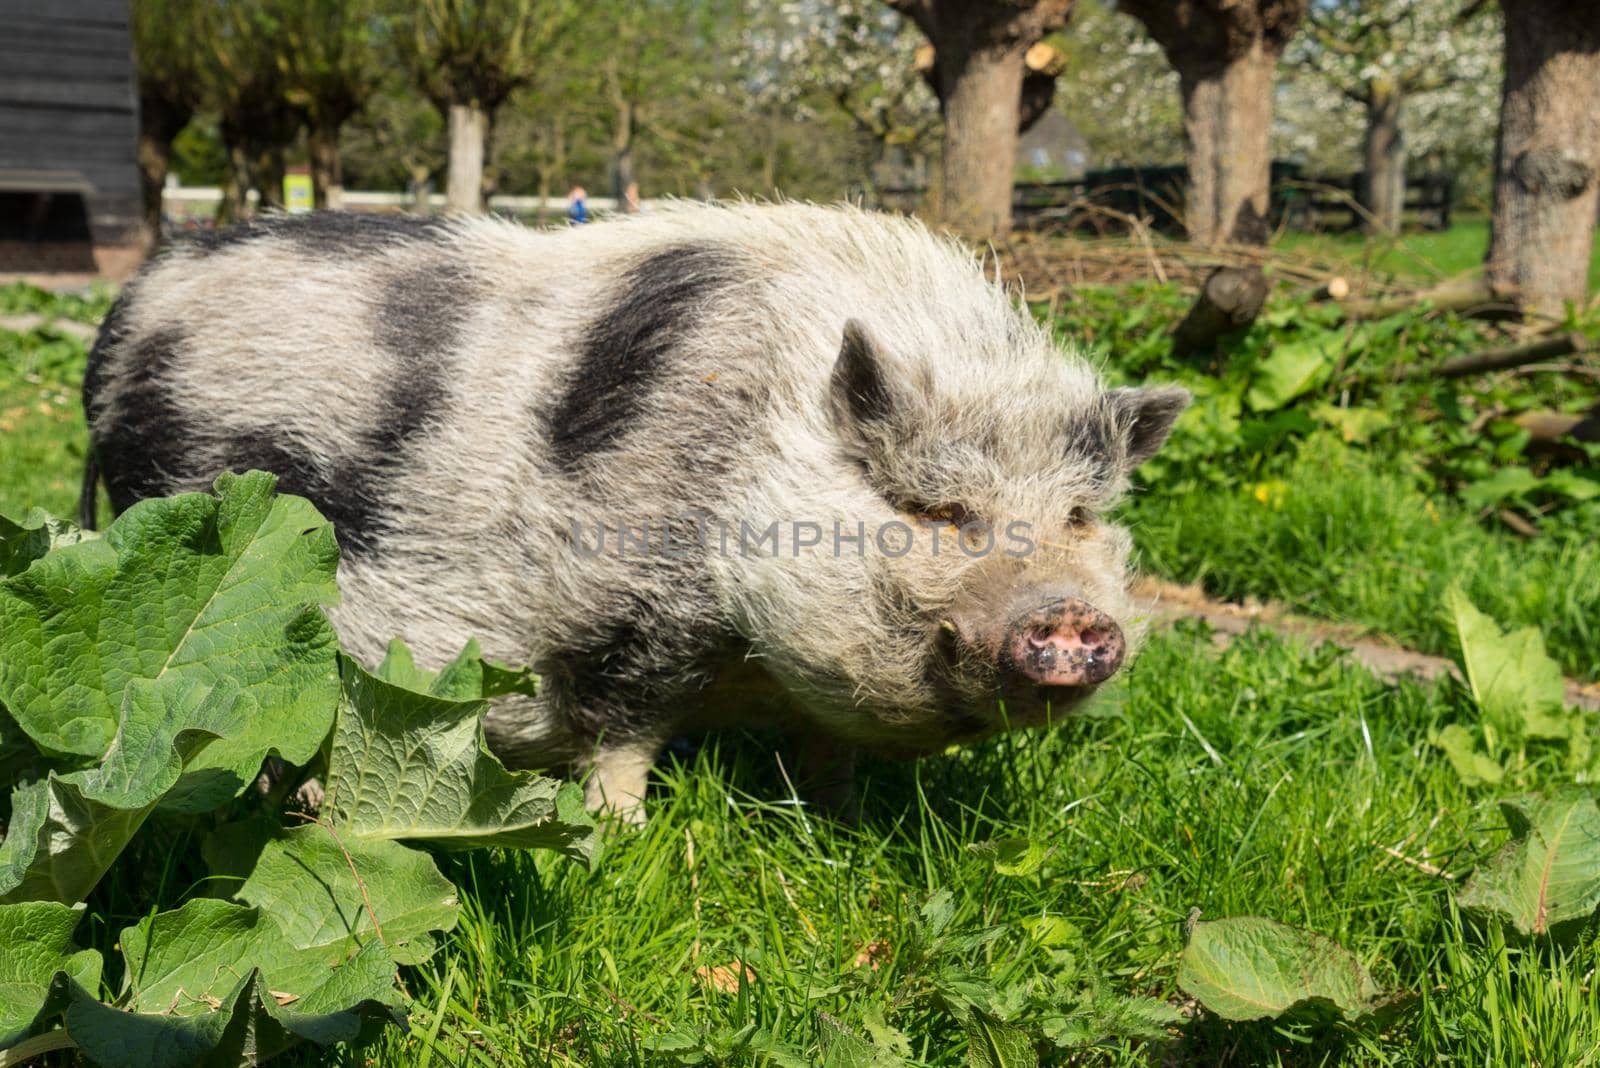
point(1068, 642)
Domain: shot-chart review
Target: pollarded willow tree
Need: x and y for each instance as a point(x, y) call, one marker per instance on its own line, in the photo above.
point(1547, 155)
point(1226, 53)
point(647, 53)
point(979, 47)
point(1432, 61)
point(240, 49)
point(468, 56)
point(166, 54)
point(332, 65)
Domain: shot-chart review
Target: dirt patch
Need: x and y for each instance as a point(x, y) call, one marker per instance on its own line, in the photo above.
point(21, 324)
point(1382, 656)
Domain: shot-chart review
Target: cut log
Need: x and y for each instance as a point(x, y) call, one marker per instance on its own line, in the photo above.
point(1040, 58)
point(1230, 300)
point(1518, 524)
point(1046, 59)
point(1477, 297)
point(1548, 428)
point(1335, 288)
point(1499, 359)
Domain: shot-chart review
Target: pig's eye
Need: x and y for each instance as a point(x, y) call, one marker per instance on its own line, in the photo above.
point(954, 514)
point(1079, 517)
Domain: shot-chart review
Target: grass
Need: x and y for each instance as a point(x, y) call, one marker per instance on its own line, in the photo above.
point(1333, 533)
point(42, 434)
point(1416, 255)
point(1268, 779)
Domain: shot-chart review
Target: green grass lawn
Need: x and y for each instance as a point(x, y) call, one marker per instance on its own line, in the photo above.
point(1340, 537)
point(1270, 779)
point(42, 435)
point(1416, 255)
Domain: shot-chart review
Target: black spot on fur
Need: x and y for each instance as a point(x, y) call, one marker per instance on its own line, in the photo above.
point(323, 233)
point(345, 492)
point(113, 330)
point(141, 452)
point(619, 682)
point(151, 448)
point(419, 324)
point(624, 350)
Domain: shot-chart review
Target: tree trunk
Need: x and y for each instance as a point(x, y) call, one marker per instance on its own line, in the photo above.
point(1383, 179)
point(769, 157)
point(159, 122)
point(1225, 54)
point(1547, 156)
point(622, 152)
point(552, 158)
point(327, 169)
point(267, 171)
point(421, 188)
point(469, 128)
point(1227, 123)
point(234, 204)
point(155, 155)
point(978, 68)
point(982, 93)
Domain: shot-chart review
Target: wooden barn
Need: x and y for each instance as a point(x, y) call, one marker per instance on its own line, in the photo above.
point(69, 136)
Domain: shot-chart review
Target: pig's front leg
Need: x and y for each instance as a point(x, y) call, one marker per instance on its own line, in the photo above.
point(618, 775)
point(827, 773)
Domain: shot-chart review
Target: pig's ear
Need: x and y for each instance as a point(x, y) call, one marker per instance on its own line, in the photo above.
point(860, 388)
point(1145, 416)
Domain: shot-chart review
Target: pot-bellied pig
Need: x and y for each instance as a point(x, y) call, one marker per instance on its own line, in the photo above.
point(788, 465)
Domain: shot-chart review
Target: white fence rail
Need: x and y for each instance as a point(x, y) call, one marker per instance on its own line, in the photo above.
point(202, 199)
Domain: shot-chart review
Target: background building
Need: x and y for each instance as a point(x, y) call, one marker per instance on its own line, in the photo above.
point(69, 176)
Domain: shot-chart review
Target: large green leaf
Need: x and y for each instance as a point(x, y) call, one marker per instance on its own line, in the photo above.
point(218, 984)
point(39, 532)
point(37, 938)
point(993, 1044)
point(1292, 369)
point(59, 843)
point(466, 678)
point(1546, 881)
point(1472, 766)
point(197, 587)
point(1516, 684)
point(409, 764)
point(322, 889)
point(843, 1048)
point(1251, 968)
point(1506, 483)
point(180, 962)
point(67, 830)
point(1355, 425)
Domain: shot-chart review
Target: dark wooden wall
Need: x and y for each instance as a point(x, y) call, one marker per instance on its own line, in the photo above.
point(68, 110)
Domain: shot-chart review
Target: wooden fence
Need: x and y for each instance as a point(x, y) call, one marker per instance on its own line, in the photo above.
point(1107, 200)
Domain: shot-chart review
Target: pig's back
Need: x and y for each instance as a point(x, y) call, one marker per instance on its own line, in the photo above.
point(456, 395)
